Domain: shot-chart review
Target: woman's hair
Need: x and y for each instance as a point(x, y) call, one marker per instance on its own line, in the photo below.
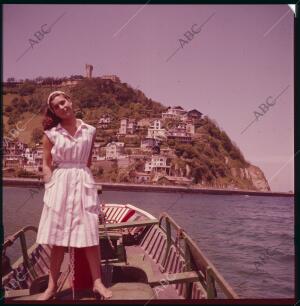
point(50, 119)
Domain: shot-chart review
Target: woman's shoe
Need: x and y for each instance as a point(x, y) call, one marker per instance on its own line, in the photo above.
point(104, 293)
point(97, 295)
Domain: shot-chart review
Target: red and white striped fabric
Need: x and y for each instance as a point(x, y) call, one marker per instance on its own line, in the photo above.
point(70, 212)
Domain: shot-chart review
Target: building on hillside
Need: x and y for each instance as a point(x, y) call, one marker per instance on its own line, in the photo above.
point(29, 154)
point(158, 163)
point(104, 122)
point(111, 77)
point(172, 180)
point(193, 115)
point(123, 127)
point(176, 112)
point(96, 153)
point(70, 82)
point(179, 135)
point(14, 161)
point(114, 150)
point(142, 177)
point(156, 131)
point(148, 143)
point(179, 113)
point(14, 147)
point(131, 126)
point(127, 126)
point(187, 127)
point(190, 128)
point(89, 70)
point(38, 157)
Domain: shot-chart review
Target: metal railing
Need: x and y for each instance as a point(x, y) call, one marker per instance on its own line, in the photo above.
point(194, 256)
point(10, 240)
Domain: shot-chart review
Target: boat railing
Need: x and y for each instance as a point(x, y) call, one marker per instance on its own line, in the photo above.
point(10, 240)
point(130, 224)
point(193, 256)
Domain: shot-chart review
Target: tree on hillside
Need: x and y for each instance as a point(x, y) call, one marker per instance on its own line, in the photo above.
point(34, 105)
point(37, 135)
point(199, 173)
point(23, 106)
point(14, 102)
point(121, 99)
point(39, 79)
point(10, 80)
point(27, 89)
point(8, 109)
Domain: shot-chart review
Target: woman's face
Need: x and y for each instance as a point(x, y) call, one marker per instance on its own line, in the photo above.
point(62, 107)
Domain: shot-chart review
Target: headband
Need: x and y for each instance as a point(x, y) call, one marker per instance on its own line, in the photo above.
point(55, 93)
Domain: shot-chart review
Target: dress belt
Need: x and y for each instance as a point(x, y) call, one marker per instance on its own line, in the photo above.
point(71, 165)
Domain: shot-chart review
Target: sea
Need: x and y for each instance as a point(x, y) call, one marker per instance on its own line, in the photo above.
point(249, 239)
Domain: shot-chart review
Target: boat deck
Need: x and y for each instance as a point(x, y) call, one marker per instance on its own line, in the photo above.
point(127, 280)
point(142, 258)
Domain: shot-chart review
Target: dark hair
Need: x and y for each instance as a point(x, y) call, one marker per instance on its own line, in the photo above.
point(50, 119)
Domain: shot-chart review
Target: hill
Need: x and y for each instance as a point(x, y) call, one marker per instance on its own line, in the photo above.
point(210, 159)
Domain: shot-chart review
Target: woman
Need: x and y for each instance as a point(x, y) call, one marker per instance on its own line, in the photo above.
point(70, 213)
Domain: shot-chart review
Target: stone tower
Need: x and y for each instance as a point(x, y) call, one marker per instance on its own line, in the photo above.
point(88, 70)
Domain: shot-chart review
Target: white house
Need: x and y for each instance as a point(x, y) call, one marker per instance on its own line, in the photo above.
point(141, 177)
point(131, 126)
point(158, 163)
point(38, 157)
point(176, 112)
point(123, 127)
point(70, 82)
point(156, 124)
point(156, 130)
point(111, 77)
point(179, 135)
point(13, 161)
point(104, 121)
point(96, 153)
point(114, 150)
point(190, 128)
point(13, 147)
point(187, 127)
point(127, 126)
point(29, 155)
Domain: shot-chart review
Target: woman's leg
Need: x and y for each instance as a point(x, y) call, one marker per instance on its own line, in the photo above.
point(94, 259)
point(56, 258)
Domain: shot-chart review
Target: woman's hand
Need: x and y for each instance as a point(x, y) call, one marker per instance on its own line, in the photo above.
point(47, 178)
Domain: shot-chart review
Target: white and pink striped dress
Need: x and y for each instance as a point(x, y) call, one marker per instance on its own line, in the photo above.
point(71, 208)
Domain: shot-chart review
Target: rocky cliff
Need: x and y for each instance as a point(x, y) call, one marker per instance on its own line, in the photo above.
point(254, 175)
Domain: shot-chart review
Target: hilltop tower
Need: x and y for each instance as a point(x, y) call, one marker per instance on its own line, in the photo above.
point(88, 70)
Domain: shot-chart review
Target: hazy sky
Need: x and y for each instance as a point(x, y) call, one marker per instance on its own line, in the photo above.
point(241, 57)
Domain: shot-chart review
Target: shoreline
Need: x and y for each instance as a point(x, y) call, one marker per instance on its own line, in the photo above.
point(29, 182)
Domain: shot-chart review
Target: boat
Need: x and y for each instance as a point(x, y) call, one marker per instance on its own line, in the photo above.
point(142, 258)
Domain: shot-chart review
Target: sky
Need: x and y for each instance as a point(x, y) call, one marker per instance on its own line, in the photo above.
point(233, 63)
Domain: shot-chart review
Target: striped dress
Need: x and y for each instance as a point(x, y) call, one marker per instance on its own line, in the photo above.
point(70, 213)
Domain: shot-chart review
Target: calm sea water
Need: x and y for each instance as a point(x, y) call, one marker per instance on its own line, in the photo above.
point(250, 239)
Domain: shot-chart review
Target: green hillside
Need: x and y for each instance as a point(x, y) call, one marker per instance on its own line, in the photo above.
point(208, 160)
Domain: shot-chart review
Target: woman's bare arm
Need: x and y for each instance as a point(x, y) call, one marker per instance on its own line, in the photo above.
point(47, 159)
point(91, 152)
